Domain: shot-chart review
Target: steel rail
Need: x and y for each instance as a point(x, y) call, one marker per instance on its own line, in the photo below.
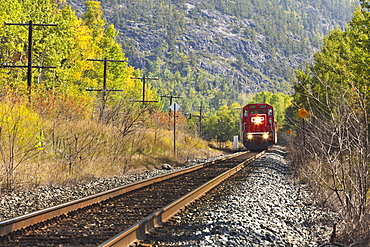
point(30, 219)
point(138, 231)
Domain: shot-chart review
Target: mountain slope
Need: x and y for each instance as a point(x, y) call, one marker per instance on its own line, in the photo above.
point(221, 50)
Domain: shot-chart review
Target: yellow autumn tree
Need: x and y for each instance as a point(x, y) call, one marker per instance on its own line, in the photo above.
point(21, 138)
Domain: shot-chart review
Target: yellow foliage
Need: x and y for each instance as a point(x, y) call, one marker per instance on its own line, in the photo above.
point(20, 126)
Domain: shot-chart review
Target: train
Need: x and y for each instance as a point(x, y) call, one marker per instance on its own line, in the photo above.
point(258, 126)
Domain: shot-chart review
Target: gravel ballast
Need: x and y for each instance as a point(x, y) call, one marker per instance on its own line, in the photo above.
point(260, 206)
point(264, 208)
point(18, 203)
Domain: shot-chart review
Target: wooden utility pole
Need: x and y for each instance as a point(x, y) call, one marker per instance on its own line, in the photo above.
point(143, 79)
point(200, 116)
point(104, 89)
point(174, 107)
point(200, 120)
point(170, 96)
point(29, 65)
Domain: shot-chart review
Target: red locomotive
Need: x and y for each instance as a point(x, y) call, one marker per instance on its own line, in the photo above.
point(258, 126)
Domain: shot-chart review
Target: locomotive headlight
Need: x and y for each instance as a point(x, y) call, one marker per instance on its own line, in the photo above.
point(257, 120)
point(250, 136)
point(265, 136)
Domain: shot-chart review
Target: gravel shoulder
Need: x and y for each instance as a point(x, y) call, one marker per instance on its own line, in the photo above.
point(262, 208)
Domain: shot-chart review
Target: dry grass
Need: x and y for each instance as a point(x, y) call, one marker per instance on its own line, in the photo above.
point(84, 149)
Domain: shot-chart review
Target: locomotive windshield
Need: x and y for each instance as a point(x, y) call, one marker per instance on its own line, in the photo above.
point(258, 111)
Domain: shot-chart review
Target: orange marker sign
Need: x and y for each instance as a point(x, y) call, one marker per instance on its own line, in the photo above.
point(303, 113)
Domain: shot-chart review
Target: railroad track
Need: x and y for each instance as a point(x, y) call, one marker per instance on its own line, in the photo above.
point(121, 216)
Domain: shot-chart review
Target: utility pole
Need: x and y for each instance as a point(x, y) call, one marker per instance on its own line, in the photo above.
point(29, 65)
point(219, 132)
point(200, 116)
point(174, 107)
point(200, 119)
point(170, 96)
point(143, 80)
point(104, 90)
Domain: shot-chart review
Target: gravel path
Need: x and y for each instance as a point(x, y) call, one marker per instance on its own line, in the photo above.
point(265, 208)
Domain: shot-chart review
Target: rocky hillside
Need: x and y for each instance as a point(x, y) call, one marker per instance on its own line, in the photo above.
point(202, 47)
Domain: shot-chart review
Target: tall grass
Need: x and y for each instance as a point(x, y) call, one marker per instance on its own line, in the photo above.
point(74, 149)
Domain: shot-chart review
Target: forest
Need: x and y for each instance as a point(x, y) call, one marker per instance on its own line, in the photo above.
point(331, 147)
point(215, 53)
